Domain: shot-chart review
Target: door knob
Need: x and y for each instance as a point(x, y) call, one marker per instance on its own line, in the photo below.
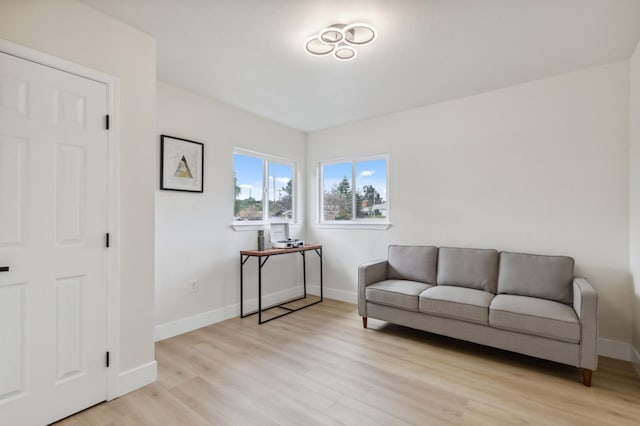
point(4, 269)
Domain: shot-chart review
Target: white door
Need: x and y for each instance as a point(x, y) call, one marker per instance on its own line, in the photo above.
point(53, 221)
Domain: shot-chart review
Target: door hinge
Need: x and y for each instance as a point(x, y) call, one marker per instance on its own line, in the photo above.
point(107, 242)
point(106, 121)
point(107, 359)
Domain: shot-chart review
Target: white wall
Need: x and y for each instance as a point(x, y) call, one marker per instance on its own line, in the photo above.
point(194, 238)
point(540, 167)
point(82, 35)
point(634, 197)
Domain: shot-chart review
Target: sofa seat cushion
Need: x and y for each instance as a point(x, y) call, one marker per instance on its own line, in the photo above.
point(397, 293)
point(531, 315)
point(461, 303)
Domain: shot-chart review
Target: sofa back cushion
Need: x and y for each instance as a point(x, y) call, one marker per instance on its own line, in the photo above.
point(465, 267)
point(545, 277)
point(415, 263)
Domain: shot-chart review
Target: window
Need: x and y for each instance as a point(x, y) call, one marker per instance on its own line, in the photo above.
point(263, 187)
point(367, 203)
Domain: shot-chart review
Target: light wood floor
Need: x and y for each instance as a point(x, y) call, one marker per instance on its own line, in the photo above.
point(319, 366)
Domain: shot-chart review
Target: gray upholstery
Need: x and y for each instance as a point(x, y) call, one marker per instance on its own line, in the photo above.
point(415, 263)
point(585, 304)
point(545, 277)
point(399, 293)
point(551, 349)
point(465, 304)
point(465, 267)
point(532, 312)
point(545, 318)
point(369, 273)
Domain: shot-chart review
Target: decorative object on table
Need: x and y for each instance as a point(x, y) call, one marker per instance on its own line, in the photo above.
point(261, 240)
point(181, 164)
point(280, 236)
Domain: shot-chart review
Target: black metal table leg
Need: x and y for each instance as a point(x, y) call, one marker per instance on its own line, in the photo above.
point(304, 273)
point(260, 265)
point(259, 290)
point(243, 260)
point(321, 297)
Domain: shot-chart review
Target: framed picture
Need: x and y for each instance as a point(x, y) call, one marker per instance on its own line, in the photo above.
point(181, 164)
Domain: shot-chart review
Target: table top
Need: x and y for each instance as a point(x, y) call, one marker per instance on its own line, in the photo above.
point(271, 251)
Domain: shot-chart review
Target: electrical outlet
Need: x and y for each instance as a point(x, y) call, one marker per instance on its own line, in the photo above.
point(193, 286)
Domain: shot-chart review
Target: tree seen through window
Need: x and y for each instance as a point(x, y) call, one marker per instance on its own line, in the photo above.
point(340, 200)
point(263, 189)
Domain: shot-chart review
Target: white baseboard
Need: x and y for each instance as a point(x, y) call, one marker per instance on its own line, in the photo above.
point(614, 349)
point(137, 377)
point(334, 293)
point(635, 360)
point(185, 325)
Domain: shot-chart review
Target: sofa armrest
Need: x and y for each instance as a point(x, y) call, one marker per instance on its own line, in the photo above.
point(369, 273)
point(585, 303)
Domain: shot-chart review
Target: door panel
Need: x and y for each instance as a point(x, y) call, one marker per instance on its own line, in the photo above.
point(12, 189)
point(69, 325)
point(69, 110)
point(13, 96)
point(12, 336)
point(70, 194)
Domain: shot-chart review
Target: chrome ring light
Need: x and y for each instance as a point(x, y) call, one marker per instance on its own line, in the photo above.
point(341, 40)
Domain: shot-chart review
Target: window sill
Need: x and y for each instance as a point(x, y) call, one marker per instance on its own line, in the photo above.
point(257, 226)
point(353, 225)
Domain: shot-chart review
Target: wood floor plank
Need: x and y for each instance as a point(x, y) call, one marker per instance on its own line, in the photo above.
point(319, 366)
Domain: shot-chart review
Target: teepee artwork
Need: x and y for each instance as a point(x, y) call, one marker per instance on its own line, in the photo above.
point(181, 164)
point(183, 170)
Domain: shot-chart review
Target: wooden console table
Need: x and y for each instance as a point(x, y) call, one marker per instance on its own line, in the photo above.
point(263, 256)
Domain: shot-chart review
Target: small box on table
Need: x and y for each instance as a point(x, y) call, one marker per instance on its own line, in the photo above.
point(280, 238)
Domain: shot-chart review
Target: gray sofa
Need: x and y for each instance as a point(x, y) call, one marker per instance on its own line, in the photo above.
point(523, 303)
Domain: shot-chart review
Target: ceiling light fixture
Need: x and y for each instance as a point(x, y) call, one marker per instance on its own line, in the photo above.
point(341, 40)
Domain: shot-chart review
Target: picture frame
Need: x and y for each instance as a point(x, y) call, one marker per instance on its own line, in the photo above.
point(181, 164)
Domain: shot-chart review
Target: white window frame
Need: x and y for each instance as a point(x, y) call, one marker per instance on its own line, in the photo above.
point(266, 159)
point(354, 223)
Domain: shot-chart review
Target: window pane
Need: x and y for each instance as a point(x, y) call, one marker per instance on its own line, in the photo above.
point(248, 186)
point(371, 192)
point(337, 193)
point(280, 191)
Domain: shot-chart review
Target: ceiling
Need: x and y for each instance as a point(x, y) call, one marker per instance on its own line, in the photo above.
point(249, 53)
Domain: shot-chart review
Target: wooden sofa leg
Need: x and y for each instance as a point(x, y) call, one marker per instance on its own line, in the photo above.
point(586, 376)
point(364, 322)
